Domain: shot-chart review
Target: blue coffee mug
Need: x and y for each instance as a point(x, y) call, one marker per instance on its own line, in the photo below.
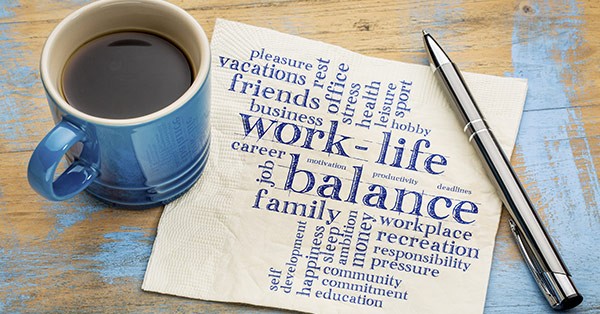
point(137, 162)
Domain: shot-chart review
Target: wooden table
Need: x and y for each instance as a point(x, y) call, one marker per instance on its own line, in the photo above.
point(81, 256)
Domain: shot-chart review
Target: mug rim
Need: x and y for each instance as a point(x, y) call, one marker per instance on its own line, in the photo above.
point(200, 79)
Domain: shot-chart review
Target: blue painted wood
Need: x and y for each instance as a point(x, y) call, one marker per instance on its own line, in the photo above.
point(542, 45)
point(81, 256)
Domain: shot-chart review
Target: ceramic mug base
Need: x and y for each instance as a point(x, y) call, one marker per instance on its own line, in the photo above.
point(148, 198)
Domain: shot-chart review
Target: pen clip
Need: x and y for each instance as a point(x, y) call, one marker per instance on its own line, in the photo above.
point(534, 267)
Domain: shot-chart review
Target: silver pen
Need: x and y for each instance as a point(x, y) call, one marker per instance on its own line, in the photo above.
point(540, 254)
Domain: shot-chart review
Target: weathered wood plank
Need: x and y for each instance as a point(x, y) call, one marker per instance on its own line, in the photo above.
point(82, 256)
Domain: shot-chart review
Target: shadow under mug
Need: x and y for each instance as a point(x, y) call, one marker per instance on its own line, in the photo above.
point(137, 162)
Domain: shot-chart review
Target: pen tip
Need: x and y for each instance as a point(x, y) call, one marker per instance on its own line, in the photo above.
point(425, 32)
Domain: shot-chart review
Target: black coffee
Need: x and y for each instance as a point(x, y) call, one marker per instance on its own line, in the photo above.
point(125, 75)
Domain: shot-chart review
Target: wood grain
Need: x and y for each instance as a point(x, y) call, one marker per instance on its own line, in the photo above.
point(82, 256)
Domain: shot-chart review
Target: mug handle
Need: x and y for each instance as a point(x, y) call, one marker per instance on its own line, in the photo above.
point(46, 157)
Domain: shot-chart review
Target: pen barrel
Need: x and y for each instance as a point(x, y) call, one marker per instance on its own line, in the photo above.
point(540, 253)
point(498, 168)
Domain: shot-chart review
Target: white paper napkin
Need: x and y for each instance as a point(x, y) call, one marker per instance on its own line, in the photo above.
point(336, 183)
